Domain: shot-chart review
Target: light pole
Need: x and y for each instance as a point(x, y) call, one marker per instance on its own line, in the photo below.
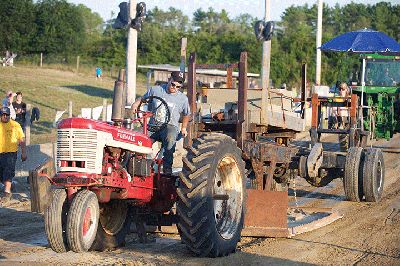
point(131, 56)
point(318, 41)
point(266, 62)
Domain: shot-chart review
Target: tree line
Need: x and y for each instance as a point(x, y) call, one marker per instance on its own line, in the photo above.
point(56, 27)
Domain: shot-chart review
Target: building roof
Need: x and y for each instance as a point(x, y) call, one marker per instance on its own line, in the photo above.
point(211, 72)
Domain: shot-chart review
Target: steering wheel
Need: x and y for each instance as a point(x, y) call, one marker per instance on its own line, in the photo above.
point(160, 114)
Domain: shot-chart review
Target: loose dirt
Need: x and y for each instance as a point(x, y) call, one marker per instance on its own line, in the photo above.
point(368, 233)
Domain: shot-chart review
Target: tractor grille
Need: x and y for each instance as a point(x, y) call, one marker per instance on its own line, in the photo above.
point(79, 145)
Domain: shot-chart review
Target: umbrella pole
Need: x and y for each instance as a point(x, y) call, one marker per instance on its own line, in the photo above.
point(362, 92)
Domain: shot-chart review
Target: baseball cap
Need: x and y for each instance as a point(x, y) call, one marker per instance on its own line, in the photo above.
point(178, 76)
point(5, 110)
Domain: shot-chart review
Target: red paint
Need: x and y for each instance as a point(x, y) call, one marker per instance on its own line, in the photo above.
point(119, 134)
point(86, 222)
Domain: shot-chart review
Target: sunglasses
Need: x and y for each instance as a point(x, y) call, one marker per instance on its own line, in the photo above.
point(5, 114)
point(176, 85)
point(342, 89)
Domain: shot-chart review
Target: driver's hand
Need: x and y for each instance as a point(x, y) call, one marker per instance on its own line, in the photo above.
point(184, 132)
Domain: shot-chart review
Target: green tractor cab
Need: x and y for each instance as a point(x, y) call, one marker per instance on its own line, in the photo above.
point(379, 91)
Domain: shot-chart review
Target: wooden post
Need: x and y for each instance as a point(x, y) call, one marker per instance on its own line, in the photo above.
point(314, 109)
point(70, 109)
point(28, 124)
point(41, 59)
point(229, 80)
point(104, 113)
point(191, 94)
point(77, 64)
point(241, 126)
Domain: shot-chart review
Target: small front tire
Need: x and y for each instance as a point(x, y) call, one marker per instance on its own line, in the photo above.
point(55, 220)
point(82, 222)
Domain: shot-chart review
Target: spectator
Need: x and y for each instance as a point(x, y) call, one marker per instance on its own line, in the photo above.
point(20, 110)
point(7, 102)
point(342, 117)
point(98, 72)
point(12, 136)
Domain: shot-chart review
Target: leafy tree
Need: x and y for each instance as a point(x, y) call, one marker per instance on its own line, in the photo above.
point(17, 25)
point(60, 28)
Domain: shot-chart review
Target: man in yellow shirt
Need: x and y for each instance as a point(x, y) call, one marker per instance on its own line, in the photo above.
point(11, 136)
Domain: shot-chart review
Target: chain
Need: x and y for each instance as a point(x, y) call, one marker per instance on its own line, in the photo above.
point(293, 178)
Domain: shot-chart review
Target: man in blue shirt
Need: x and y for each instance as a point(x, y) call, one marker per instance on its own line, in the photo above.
point(178, 105)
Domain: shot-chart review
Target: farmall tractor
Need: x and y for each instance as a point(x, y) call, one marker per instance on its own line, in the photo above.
point(106, 179)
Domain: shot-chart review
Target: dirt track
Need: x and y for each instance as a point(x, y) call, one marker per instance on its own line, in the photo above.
point(367, 234)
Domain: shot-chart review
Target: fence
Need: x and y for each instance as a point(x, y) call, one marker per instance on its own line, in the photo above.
point(77, 64)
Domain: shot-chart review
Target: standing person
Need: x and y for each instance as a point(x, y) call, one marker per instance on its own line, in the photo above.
point(20, 110)
point(7, 102)
point(178, 105)
point(11, 136)
point(98, 73)
point(342, 116)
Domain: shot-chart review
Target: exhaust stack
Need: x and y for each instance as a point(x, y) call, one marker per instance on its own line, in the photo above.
point(118, 106)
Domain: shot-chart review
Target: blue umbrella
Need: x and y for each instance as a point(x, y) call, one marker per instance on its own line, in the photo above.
point(362, 41)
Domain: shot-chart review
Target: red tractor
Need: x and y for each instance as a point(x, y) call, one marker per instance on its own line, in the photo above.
point(106, 179)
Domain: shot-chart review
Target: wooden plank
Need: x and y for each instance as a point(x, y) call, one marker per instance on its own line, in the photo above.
point(220, 99)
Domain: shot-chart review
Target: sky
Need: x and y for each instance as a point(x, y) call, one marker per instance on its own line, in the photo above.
point(233, 7)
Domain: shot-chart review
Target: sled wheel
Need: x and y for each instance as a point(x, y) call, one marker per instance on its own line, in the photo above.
point(55, 220)
point(374, 173)
point(353, 173)
point(114, 223)
point(212, 196)
point(83, 218)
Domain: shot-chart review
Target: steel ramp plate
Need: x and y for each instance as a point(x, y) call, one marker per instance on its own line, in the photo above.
point(306, 219)
point(266, 214)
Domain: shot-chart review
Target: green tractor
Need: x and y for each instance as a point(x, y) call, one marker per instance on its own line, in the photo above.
point(378, 89)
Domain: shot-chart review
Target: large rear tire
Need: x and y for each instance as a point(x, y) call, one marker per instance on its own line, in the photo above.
point(55, 220)
point(114, 224)
point(374, 174)
point(82, 222)
point(353, 174)
point(212, 196)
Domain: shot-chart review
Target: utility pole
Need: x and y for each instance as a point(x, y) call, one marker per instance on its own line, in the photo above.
point(318, 41)
point(131, 56)
point(266, 62)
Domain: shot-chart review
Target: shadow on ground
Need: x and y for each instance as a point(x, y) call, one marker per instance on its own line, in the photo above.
point(41, 127)
point(92, 91)
point(315, 195)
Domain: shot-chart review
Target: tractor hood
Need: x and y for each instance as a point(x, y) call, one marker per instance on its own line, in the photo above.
point(118, 134)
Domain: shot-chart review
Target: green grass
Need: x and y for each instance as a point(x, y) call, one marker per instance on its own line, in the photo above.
point(51, 90)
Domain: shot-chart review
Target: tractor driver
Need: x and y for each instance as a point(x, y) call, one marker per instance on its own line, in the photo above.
point(178, 105)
